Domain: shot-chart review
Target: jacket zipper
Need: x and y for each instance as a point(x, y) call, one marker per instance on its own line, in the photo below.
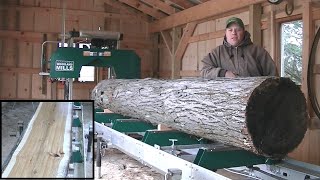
point(237, 62)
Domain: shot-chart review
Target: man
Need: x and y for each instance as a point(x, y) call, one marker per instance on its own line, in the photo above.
point(238, 56)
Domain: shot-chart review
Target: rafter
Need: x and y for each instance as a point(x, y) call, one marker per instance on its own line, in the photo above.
point(160, 5)
point(122, 7)
point(144, 8)
point(183, 3)
point(201, 11)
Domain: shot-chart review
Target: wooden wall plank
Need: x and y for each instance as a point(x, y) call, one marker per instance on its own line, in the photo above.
point(36, 55)
point(17, 70)
point(188, 31)
point(24, 86)
point(26, 23)
point(85, 22)
point(43, 3)
point(202, 45)
point(55, 23)
point(86, 4)
point(165, 65)
point(204, 10)
point(98, 22)
point(9, 58)
point(41, 22)
point(81, 94)
point(26, 20)
point(21, 36)
point(25, 61)
point(27, 2)
point(190, 57)
point(37, 87)
point(8, 86)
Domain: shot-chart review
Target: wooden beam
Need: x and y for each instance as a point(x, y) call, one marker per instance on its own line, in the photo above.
point(207, 36)
point(155, 57)
point(255, 11)
point(175, 64)
point(316, 69)
point(306, 44)
point(272, 37)
point(144, 8)
point(79, 85)
point(122, 8)
point(190, 73)
point(167, 40)
point(19, 70)
point(68, 11)
point(183, 44)
point(35, 37)
point(315, 123)
point(316, 14)
point(201, 11)
point(160, 6)
point(282, 14)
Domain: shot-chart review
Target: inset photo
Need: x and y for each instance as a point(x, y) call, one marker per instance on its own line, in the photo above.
point(47, 139)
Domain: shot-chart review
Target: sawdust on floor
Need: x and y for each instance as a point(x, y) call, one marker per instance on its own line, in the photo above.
point(116, 165)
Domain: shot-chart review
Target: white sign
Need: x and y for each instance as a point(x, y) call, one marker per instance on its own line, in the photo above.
point(64, 65)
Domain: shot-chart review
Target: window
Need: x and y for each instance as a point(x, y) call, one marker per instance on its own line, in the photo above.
point(86, 74)
point(291, 50)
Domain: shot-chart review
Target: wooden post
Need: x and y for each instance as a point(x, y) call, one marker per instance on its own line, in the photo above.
point(306, 46)
point(254, 23)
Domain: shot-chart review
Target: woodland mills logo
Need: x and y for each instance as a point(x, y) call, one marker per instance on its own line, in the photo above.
point(64, 65)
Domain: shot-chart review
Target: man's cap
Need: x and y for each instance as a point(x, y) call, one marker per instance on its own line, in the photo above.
point(235, 20)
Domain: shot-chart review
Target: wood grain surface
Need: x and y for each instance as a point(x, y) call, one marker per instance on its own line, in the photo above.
point(42, 151)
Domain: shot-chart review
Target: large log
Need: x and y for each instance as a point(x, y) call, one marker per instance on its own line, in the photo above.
point(265, 115)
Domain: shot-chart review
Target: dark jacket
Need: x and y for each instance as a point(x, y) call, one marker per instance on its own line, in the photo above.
point(247, 59)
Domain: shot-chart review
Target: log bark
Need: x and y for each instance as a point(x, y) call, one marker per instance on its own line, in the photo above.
point(265, 115)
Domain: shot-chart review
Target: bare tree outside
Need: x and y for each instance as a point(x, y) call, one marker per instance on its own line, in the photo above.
point(291, 50)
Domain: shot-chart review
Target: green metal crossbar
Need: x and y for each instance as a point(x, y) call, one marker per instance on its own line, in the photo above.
point(161, 138)
point(67, 62)
point(217, 159)
point(77, 103)
point(76, 157)
point(76, 122)
point(132, 125)
point(107, 117)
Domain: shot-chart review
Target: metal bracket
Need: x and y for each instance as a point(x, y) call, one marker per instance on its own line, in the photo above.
point(173, 174)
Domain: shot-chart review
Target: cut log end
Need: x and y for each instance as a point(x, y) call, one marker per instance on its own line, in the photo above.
point(276, 117)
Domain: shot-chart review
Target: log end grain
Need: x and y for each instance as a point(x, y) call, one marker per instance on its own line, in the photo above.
point(276, 117)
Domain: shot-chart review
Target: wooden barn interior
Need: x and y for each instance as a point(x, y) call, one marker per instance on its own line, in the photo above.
point(171, 37)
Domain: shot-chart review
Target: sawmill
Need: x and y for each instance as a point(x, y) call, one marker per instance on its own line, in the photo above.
point(160, 89)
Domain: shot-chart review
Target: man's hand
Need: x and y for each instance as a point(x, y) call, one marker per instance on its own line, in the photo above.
point(230, 74)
